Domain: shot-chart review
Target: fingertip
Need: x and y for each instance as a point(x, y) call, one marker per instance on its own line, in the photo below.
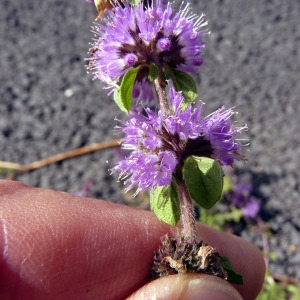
point(245, 257)
point(187, 287)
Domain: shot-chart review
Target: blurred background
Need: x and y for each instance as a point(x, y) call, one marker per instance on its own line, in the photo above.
point(49, 104)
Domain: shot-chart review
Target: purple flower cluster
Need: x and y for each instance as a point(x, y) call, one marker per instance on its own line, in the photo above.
point(138, 36)
point(161, 143)
point(241, 198)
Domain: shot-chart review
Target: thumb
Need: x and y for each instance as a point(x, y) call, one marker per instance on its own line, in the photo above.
point(187, 287)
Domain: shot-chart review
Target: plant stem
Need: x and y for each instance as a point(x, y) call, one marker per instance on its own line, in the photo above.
point(187, 213)
point(160, 85)
point(265, 240)
point(186, 205)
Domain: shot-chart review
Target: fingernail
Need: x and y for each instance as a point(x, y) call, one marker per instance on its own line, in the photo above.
point(210, 288)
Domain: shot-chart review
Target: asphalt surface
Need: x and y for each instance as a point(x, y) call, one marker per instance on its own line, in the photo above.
point(49, 104)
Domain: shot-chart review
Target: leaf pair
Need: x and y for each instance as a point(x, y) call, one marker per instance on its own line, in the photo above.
point(203, 178)
point(181, 80)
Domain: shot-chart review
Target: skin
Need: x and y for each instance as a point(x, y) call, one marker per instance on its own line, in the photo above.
point(56, 245)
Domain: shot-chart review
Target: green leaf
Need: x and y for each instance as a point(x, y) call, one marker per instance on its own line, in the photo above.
point(186, 84)
point(232, 275)
point(236, 215)
point(293, 290)
point(164, 202)
point(204, 179)
point(153, 71)
point(273, 289)
point(227, 185)
point(123, 96)
point(168, 72)
point(117, 98)
point(133, 2)
point(212, 219)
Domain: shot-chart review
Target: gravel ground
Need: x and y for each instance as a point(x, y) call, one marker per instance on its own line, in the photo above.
point(50, 105)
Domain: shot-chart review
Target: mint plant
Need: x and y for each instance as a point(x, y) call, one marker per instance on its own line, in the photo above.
point(146, 52)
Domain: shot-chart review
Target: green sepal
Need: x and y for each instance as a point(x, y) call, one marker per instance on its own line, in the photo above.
point(123, 95)
point(164, 202)
point(184, 105)
point(233, 276)
point(203, 177)
point(153, 72)
point(186, 84)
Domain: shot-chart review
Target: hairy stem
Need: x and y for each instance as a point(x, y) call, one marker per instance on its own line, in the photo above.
point(186, 205)
point(160, 85)
point(187, 213)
